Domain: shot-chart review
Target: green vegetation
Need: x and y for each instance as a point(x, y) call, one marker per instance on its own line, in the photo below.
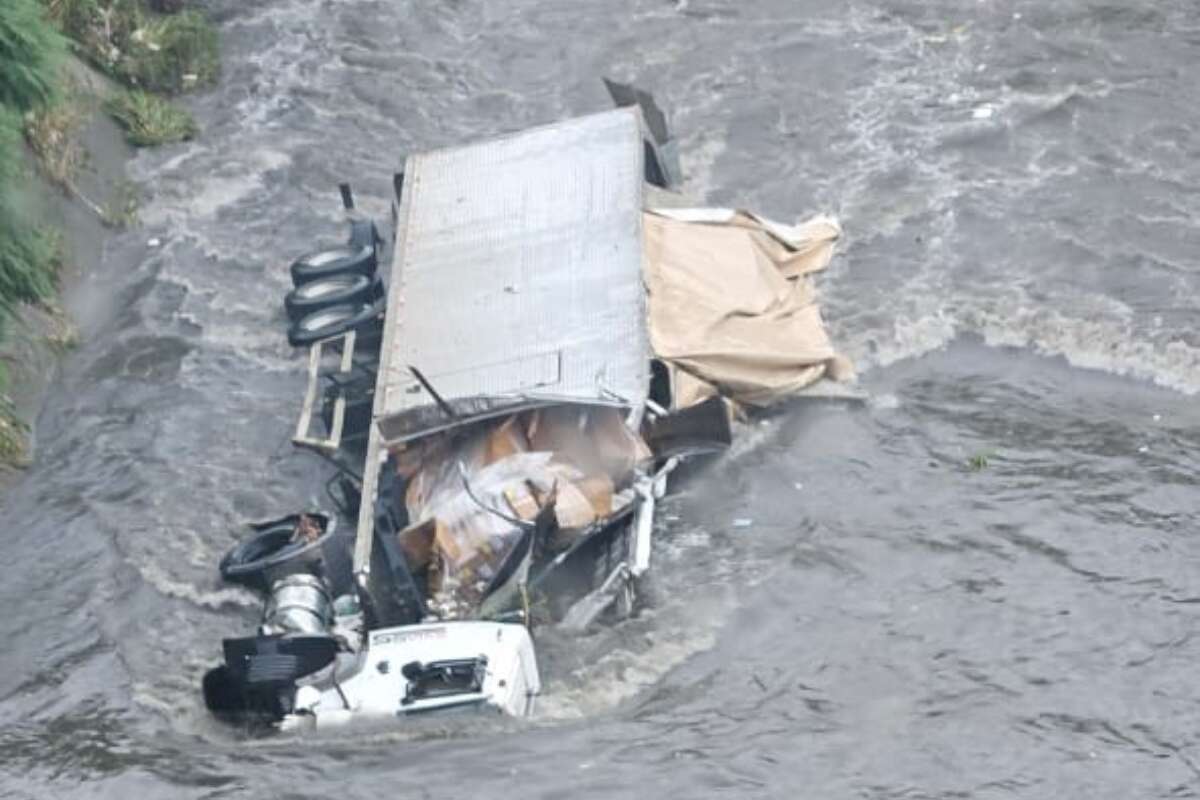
point(149, 119)
point(62, 335)
point(30, 55)
point(144, 50)
point(12, 430)
point(175, 53)
point(121, 211)
point(980, 461)
point(52, 133)
point(149, 46)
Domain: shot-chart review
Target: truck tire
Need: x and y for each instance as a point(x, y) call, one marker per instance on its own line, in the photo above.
point(246, 562)
point(269, 554)
point(331, 291)
point(346, 260)
point(333, 321)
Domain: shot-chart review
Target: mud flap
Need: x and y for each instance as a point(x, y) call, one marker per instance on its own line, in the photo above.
point(588, 608)
point(702, 428)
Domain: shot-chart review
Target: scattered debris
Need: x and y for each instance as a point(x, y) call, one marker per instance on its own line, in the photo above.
point(979, 461)
point(308, 529)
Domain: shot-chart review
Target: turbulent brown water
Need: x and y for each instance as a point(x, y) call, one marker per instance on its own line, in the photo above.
point(1019, 284)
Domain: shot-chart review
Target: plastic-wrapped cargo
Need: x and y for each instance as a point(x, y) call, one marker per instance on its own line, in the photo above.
point(475, 494)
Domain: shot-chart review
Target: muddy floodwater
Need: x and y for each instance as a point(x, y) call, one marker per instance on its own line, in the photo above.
point(983, 583)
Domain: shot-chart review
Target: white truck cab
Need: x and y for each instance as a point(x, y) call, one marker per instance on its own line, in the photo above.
point(412, 669)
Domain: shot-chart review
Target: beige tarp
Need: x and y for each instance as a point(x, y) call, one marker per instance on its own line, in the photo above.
point(731, 304)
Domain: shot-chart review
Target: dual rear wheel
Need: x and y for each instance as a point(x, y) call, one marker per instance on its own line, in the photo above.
point(337, 290)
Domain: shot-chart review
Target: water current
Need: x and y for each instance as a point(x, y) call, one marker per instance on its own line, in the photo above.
point(984, 583)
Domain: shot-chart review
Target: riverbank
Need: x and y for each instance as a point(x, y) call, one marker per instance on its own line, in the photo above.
point(40, 335)
point(63, 190)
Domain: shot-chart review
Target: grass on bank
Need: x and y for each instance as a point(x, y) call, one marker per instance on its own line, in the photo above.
point(149, 119)
point(52, 133)
point(12, 430)
point(147, 45)
point(123, 206)
point(158, 53)
point(31, 55)
point(30, 256)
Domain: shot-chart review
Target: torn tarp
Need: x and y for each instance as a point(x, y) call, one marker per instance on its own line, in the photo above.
point(732, 309)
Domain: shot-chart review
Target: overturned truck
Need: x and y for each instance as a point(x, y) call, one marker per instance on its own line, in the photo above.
point(556, 332)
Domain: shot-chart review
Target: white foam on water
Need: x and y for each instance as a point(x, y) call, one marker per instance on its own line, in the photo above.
point(883, 402)
point(1098, 345)
point(154, 574)
point(912, 337)
point(942, 298)
point(751, 435)
point(209, 191)
point(698, 161)
point(619, 675)
point(1105, 344)
point(637, 654)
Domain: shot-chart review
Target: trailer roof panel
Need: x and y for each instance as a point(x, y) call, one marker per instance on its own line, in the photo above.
point(517, 277)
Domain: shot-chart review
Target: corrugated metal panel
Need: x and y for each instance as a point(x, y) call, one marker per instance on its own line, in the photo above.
point(517, 275)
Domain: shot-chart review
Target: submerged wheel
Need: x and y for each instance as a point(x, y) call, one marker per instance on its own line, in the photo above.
point(255, 562)
point(347, 260)
point(247, 562)
point(332, 321)
point(331, 291)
